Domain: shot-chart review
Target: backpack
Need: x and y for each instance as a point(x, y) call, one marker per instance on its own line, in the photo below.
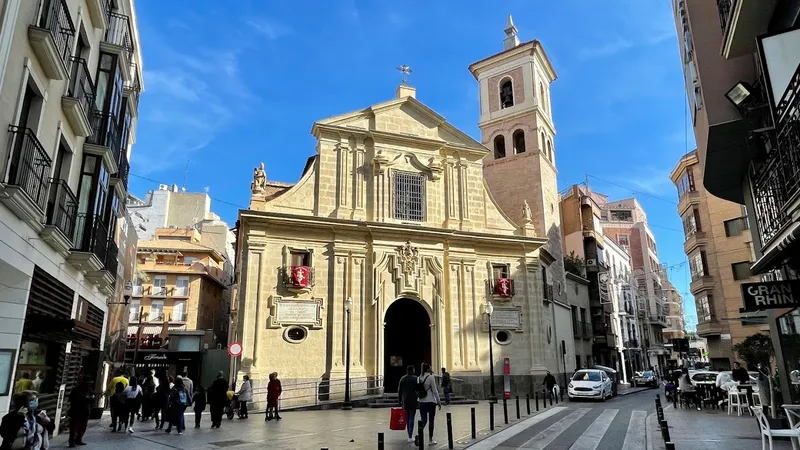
point(183, 398)
point(420, 388)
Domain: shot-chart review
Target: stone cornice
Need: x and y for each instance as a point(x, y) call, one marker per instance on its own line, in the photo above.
point(419, 142)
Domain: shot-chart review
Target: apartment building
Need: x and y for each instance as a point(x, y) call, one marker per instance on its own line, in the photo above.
point(742, 83)
point(577, 296)
point(625, 222)
point(676, 323)
point(718, 244)
point(70, 78)
point(179, 286)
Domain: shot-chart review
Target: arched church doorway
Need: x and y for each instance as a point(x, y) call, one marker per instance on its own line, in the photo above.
point(406, 340)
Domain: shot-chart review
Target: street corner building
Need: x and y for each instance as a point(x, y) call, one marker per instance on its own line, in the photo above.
point(392, 245)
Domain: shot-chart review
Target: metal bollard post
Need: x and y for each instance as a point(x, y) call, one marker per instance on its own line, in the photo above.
point(665, 431)
point(544, 399)
point(380, 441)
point(505, 410)
point(528, 403)
point(562, 394)
point(536, 394)
point(669, 445)
point(674, 400)
point(491, 416)
point(518, 407)
point(449, 431)
point(472, 423)
point(421, 435)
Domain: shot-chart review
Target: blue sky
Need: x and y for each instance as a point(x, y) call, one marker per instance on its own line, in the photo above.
point(228, 87)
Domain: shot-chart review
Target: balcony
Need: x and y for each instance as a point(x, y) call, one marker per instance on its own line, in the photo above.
point(632, 343)
point(62, 211)
point(177, 316)
point(119, 41)
point(157, 291)
point(689, 198)
point(104, 141)
point(547, 293)
point(701, 283)
point(91, 252)
point(711, 328)
point(78, 104)
point(98, 11)
point(502, 288)
point(179, 291)
point(26, 187)
point(132, 90)
point(298, 279)
point(742, 21)
point(577, 330)
point(694, 240)
point(112, 258)
point(138, 290)
point(659, 320)
point(119, 180)
point(51, 38)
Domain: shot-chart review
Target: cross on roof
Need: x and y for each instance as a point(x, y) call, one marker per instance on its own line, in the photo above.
point(406, 71)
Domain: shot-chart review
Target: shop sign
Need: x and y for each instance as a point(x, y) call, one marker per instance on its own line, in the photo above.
point(770, 295)
point(156, 357)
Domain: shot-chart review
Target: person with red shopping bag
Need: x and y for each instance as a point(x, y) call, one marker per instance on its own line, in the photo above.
point(407, 395)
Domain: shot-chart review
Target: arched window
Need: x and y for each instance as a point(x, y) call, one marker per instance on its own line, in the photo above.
point(544, 143)
point(542, 100)
point(519, 142)
point(506, 94)
point(499, 147)
point(550, 151)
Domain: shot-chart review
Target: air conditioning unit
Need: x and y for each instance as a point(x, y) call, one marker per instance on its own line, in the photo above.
point(591, 262)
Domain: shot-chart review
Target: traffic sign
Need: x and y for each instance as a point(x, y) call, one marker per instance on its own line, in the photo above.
point(235, 349)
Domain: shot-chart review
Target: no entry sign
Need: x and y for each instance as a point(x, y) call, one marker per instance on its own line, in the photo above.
point(235, 349)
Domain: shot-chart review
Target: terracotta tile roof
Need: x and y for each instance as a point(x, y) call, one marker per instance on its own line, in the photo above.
point(274, 189)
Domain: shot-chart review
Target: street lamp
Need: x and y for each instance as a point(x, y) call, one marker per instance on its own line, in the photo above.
point(348, 305)
point(489, 309)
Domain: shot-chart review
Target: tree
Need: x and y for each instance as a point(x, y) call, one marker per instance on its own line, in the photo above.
point(574, 264)
point(756, 350)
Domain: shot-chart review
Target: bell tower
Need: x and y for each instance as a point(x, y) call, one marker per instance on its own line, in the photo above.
point(517, 126)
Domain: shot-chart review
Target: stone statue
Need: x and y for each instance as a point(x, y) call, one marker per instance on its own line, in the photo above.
point(526, 212)
point(259, 179)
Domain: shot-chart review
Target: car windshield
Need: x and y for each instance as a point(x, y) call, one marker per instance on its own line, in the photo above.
point(586, 376)
point(647, 374)
point(705, 377)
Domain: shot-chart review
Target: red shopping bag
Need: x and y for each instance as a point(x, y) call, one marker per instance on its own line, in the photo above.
point(398, 419)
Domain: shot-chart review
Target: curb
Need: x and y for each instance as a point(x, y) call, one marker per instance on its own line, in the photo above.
point(633, 391)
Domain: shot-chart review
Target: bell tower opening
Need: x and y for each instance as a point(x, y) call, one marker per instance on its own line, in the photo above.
point(406, 340)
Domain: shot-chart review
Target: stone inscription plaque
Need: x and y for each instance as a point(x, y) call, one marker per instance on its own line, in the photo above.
point(507, 318)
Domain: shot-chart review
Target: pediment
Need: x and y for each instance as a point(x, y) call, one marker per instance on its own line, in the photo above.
point(405, 117)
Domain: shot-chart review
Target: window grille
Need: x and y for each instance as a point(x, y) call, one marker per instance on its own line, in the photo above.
point(409, 196)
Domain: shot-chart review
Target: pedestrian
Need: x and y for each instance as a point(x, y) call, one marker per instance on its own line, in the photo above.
point(274, 391)
point(118, 412)
point(26, 420)
point(23, 383)
point(447, 386)
point(80, 406)
point(739, 374)
point(37, 382)
point(179, 400)
point(133, 401)
point(187, 382)
point(245, 395)
point(199, 402)
point(148, 389)
point(549, 382)
point(160, 399)
point(687, 389)
point(407, 394)
point(217, 398)
point(428, 397)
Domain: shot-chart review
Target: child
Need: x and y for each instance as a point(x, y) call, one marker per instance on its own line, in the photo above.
point(118, 410)
point(199, 401)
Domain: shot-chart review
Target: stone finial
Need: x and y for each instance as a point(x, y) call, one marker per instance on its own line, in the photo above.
point(511, 40)
point(259, 180)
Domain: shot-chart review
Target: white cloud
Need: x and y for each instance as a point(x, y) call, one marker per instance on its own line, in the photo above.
point(269, 28)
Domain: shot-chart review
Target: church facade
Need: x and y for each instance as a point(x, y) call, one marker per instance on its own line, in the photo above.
point(386, 253)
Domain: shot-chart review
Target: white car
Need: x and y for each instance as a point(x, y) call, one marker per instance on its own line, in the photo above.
point(590, 383)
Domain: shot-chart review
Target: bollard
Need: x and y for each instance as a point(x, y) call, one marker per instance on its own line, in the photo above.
point(421, 435)
point(536, 394)
point(518, 407)
point(528, 403)
point(674, 400)
point(669, 445)
point(562, 394)
point(491, 416)
point(544, 399)
point(665, 431)
point(505, 411)
point(449, 431)
point(380, 440)
point(472, 423)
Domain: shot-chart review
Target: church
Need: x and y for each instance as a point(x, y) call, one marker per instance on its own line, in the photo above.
point(400, 241)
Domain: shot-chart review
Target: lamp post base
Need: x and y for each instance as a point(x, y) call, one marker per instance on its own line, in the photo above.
point(347, 406)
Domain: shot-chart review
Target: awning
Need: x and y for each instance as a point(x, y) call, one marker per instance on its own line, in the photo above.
point(777, 250)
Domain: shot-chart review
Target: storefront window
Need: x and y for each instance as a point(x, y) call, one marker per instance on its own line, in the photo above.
point(789, 331)
point(33, 369)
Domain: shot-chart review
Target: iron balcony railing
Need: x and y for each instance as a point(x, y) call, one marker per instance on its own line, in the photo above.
point(134, 87)
point(106, 132)
point(81, 87)
point(138, 290)
point(776, 180)
point(548, 292)
point(119, 32)
point(30, 165)
point(55, 18)
point(62, 208)
point(123, 169)
point(112, 261)
point(724, 7)
point(179, 291)
point(91, 236)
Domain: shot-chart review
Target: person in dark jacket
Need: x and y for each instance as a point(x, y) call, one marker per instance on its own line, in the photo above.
point(118, 411)
point(179, 400)
point(160, 402)
point(447, 386)
point(549, 382)
point(27, 421)
point(199, 401)
point(407, 394)
point(217, 398)
point(740, 374)
point(80, 407)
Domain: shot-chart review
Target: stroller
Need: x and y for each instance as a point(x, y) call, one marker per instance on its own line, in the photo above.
point(232, 408)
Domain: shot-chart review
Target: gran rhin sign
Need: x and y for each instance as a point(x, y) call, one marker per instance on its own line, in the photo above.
point(770, 295)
